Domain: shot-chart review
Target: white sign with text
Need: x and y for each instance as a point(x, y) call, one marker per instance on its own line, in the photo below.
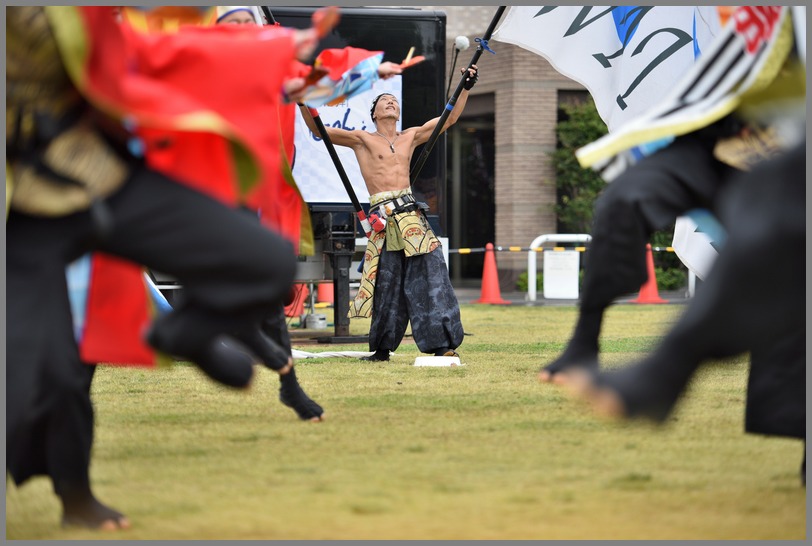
point(313, 168)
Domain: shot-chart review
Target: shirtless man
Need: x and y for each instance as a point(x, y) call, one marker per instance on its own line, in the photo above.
point(408, 274)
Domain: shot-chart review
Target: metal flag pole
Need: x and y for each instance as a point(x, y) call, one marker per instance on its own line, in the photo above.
point(269, 16)
point(341, 257)
point(461, 43)
point(483, 44)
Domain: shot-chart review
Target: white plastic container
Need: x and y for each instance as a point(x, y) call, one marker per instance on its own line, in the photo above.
point(316, 322)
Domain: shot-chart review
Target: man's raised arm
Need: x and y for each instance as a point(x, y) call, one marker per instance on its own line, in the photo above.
point(424, 132)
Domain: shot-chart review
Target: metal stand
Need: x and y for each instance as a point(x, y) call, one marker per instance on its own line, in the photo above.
point(341, 261)
point(340, 229)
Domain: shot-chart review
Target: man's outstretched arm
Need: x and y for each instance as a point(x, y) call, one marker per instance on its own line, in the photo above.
point(339, 137)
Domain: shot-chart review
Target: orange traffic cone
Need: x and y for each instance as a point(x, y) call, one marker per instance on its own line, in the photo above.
point(296, 307)
point(324, 293)
point(648, 292)
point(490, 280)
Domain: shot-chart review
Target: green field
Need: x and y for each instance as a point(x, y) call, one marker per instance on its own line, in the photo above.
point(480, 451)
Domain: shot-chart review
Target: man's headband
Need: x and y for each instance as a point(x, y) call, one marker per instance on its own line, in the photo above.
point(375, 103)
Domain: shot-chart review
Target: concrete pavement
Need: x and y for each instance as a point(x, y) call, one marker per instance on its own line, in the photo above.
point(469, 295)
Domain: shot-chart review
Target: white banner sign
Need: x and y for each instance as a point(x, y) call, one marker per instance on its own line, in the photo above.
point(313, 168)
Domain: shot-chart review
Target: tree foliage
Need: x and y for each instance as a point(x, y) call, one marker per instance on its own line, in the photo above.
point(577, 187)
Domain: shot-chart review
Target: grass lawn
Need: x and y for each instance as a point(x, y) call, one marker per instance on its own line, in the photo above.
point(480, 451)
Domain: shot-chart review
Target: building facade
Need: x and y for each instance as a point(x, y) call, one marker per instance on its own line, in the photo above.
point(501, 184)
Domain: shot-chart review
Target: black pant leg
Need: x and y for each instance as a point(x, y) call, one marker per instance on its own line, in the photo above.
point(390, 315)
point(49, 416)
point(275, 326)
point(433, 308)
point(776, 387)
point(650, 195)
point(753, 298)
point(231, 267)
point(754, 292)
point(647, 197)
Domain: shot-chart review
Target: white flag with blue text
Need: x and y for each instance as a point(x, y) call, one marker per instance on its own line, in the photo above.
point(628, 57)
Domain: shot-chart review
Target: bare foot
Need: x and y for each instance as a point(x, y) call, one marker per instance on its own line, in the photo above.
point(572, 357)
point(92, 514)
point(559, 378)
point(603, 400)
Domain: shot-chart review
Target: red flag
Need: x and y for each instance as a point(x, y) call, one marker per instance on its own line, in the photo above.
point(199, 113)
point(339, 61)
point(277, 198)
point(117, 313)
point(208, 65)
point(170, 86)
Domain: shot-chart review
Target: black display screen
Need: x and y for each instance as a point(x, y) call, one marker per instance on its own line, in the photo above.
point(394, 31)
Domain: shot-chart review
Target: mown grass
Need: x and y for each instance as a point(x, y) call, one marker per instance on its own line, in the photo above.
point(481, 451)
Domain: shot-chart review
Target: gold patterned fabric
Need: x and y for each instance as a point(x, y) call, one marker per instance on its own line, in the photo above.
point(406, 231)
point(682, 112)
point(750, 147)
point(38, 94)
point(361, 305)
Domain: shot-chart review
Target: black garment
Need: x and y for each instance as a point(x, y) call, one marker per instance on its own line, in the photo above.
point(751, 301)
point(645, 198)
point(776, 387)
point(275, 326)
point(232, 270)
point(417, 290)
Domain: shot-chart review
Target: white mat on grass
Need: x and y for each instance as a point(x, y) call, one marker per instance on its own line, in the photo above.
point(331, 354)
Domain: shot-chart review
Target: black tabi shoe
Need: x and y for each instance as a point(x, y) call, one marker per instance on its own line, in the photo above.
point(292, 395)
point(381, 355)
point(223, 358)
